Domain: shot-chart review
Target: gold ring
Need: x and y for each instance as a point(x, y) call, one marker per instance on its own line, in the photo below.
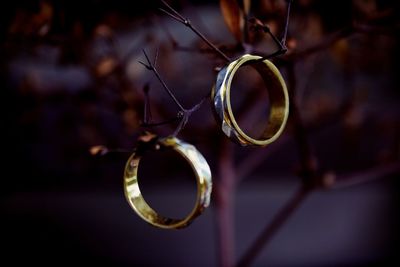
point(201, 171)
point(278, 95)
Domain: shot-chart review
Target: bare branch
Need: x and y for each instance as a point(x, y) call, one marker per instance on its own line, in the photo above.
point(172, 15)
point(178, 17)
point(179, 47)
point(183, 114)
point(257, 24)
point(283, 41)
point(282, 49)
point(173, 11)
point(198, 105)
point(184, 117)
point(152, 67)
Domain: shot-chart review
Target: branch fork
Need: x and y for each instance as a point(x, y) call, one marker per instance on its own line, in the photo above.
point(183, 114)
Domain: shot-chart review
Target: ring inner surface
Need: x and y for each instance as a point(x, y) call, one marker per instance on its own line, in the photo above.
point(276, 98)
point(164, 170)
point(272, 109)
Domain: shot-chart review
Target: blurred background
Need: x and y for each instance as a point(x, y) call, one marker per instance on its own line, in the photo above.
point(71, 80)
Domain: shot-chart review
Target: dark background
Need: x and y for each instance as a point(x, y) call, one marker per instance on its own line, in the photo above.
point(70, 81)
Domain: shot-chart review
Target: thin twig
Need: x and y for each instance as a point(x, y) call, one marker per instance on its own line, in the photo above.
point(178, 47)
point(272, 227)
point(183, 113)
point(178, 17)
point(151, 66)
point(332, 38)
point(282, 49)
point(283, 41)
point(257, 24)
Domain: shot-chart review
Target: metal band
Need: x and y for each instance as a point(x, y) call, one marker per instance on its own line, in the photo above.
point(278, 95)
point(201, 171)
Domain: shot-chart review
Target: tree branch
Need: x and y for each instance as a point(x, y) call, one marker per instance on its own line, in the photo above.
point(308, 160)
point(178, 17)
point(152, 67)
point(183, 113)
point(257, 24)
point(282, 49)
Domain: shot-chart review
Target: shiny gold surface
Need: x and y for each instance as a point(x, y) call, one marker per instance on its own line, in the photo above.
point(278, 95)
point(203, 177)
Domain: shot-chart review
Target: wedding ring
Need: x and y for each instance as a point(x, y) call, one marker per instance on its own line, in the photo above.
point(278, 98)
point(201, 171)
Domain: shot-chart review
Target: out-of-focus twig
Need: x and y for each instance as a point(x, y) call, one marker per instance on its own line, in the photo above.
point(308, 160)
point(332, 38)
point(365, 176)
point(147, 109)
point(325, 42)
point(272, 227)
point(256, 158)
point(224, 200)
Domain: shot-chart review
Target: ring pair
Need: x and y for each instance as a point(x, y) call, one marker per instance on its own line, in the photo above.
point(221, 98)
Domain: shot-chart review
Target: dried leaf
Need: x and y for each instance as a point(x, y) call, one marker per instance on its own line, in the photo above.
point(366, 8)
point(98, 150)
point(233, 17)
point(147, 137)
point(328, 179)
point(104, 31)
point(341, 52)
point(246, 6)
point(131, 120)
point(106, 66)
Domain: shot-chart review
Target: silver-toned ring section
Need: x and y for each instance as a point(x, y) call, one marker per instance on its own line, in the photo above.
point(278, 97)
